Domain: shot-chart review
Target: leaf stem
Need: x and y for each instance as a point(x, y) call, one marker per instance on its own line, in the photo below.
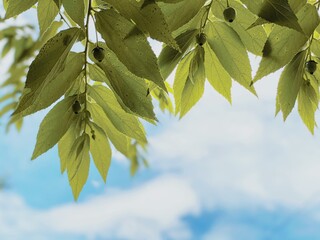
point(206, 14)
point(85, 58)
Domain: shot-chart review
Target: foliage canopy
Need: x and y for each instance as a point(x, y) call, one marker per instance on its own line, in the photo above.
point(92, 60)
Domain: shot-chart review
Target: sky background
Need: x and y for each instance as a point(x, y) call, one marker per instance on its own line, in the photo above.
point(221, 173)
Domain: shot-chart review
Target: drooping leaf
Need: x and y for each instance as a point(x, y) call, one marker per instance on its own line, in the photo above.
point(54, 126)
point(231, 52)
point(124, 122)
point(307, 105)
point(253, 39)
point(283, 43)
point(148, 17)
point(52, 89)
point(47, 11)
point(194, 86)
point(130, 89)
point(79, 164)
point(216, 74)
point(169, 57)
point(15, 7)
point(75, 9)
point(66, 142)
point(187, 9)
point(100, 150)
point(290, 82)
point(180, 79)
point(130, 45)
point(275, 11)
point(118, 139)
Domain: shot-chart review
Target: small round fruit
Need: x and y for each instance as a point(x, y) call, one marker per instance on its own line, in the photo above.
point(201, 38)
point(229, 14)
point(76, 107)
point(311, 66)
point(98, 53)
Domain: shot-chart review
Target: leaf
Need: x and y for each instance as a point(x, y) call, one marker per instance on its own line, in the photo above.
point(148, 17)
point(296, 5)
point(79, 164)
point(275, 11)
point(66, 142)
point(169, 57)
point(15, 7)
point(130, 89)
point(194, 87)
point(283, 43)
point(181, 78)
point(186, 10)
point(307, 105)
point(49, 63)
point(47, 11)
point(229, 49)
point(216, 74)
point(124, 122)
point(52, 89)
point(253, 39)
point(54, 126)
point(75, 9)
point(130, 45)
point(118, 139)
point(290, 82)
point(100, 151)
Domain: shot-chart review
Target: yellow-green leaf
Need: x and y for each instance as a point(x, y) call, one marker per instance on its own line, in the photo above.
point(290, 82)
point(47, 11)
point(216, 74)
point(79, 164)
point(54, 126)
point(130, 45)
point(100, 150)
point(148, 17)
point(231, 52)
point(15, 7)
point(75, 9)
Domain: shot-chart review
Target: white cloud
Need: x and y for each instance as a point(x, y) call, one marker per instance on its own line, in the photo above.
point(145, 212)
point(241, 156)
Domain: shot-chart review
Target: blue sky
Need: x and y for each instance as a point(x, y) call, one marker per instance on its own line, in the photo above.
point(221, 173)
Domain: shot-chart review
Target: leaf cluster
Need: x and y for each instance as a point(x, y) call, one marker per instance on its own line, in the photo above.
point(93, 65)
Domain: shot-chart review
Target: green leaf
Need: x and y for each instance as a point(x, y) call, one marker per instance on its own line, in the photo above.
point(194, 86)
point(124, 122)
point(217, 76)
point(231, 52)
point(47, 11)
point(253, 39)
point(169, 57)
point(52, 89)
point(118, 139)
point(15, 7)
point(296, 5)
point(275, 11)
point(186, 9)
point(130, 45)
point(75, 9)
point(66, 143)
point(54, 126)
point(100, 150)
point(130, 89)
point(148, 17)
point(79, 164)
point(307, 105)
point(290, 82)
point(283, 43)
point(46, 67)
point(180, 79)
